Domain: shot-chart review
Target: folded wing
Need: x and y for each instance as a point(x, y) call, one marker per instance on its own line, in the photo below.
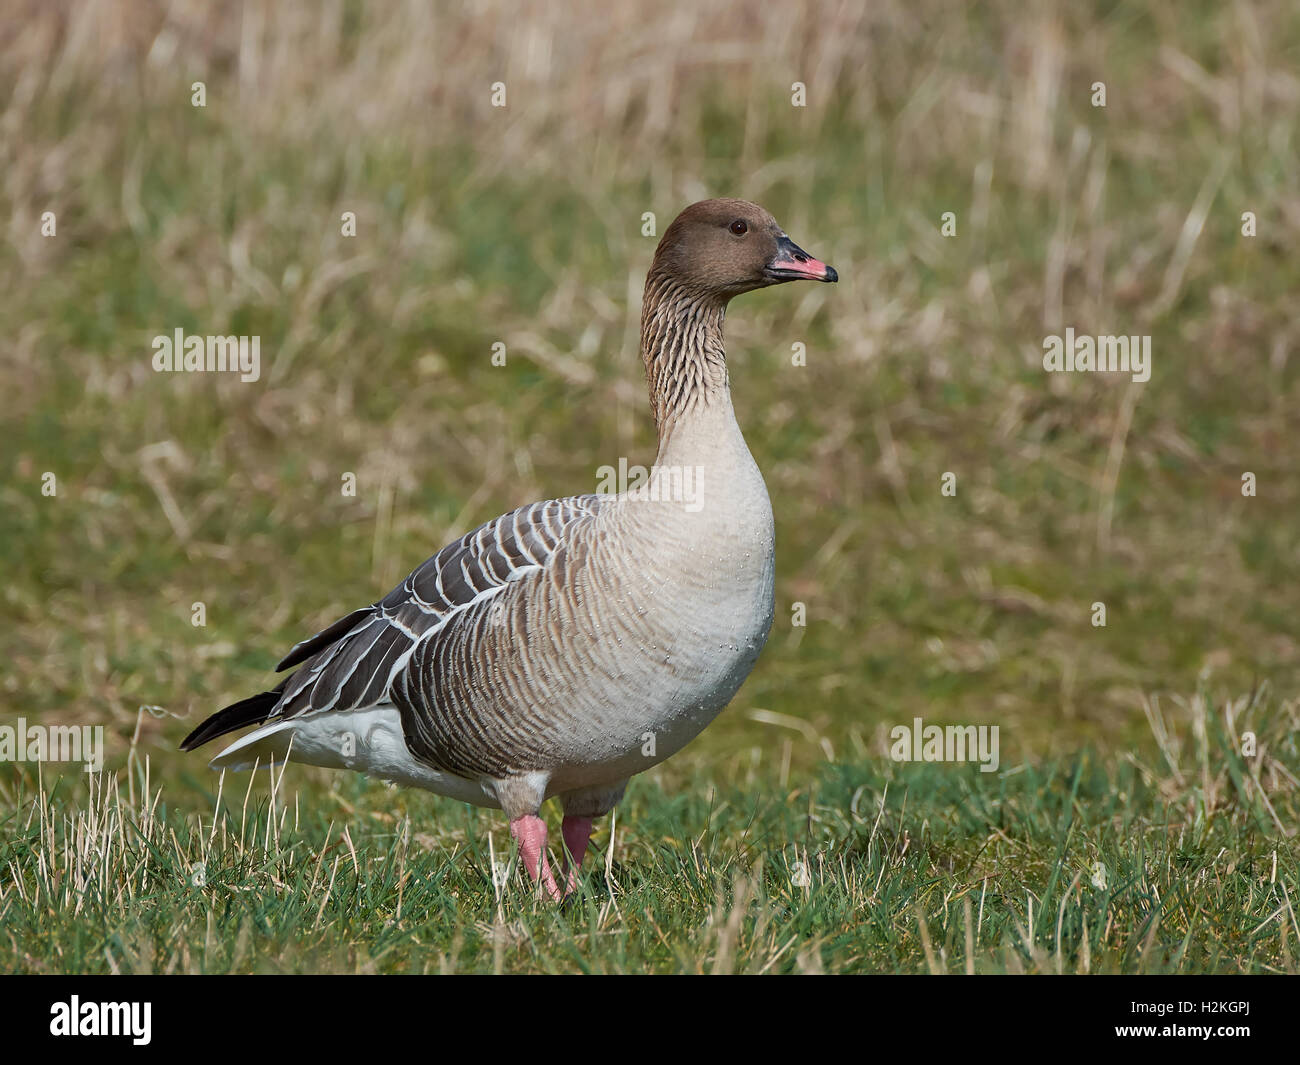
point(355, 662)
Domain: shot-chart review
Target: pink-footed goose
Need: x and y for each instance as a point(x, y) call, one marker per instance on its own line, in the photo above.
point(567, 645)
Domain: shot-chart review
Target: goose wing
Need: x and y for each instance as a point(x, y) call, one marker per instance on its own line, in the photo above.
point(355, 662)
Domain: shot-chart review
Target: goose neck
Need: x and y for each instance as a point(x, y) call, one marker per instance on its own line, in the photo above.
point(682, 347)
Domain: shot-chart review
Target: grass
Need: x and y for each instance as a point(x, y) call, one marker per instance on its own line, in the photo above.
point(1073, 866)
point(1120, 744)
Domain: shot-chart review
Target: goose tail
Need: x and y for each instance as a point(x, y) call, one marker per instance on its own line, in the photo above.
point(251, 711)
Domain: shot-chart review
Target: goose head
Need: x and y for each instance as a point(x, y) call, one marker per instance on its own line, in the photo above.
point(721, 248)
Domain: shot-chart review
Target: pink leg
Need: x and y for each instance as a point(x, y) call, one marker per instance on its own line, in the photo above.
point(530, 833)
point(577, 834)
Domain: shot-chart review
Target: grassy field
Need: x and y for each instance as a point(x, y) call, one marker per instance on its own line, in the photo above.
point(1131, 825)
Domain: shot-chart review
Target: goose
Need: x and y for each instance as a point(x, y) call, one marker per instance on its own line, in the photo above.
point(566, 646)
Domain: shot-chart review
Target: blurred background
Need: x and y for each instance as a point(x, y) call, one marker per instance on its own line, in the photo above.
point(523, 225)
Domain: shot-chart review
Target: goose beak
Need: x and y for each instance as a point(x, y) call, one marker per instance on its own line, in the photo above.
point(792, 263)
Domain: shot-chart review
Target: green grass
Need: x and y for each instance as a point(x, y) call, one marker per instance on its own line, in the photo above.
point(1071, 866)
point(523, 226)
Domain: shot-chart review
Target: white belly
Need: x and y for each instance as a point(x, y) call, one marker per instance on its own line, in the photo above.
point(703, 601)
point(369, 741)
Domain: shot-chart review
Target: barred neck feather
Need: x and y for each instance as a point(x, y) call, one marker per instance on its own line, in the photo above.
point(682, 347)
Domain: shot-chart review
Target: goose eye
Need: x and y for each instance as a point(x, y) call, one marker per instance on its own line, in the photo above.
point(739, 228)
